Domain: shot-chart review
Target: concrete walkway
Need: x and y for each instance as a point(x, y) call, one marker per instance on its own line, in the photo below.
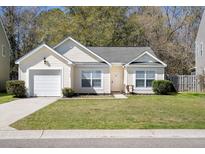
point(119, 96)
point(15, 110)
point(126, 133)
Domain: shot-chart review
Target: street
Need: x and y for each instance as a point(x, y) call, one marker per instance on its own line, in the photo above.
point(105, 143)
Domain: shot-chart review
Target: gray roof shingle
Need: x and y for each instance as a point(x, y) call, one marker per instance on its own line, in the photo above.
point(120, 54)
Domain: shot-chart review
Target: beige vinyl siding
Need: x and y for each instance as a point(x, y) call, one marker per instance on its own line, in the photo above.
point(105, 89)
point(4, 60)
point(131, 71)
point(36, 61)
point(76, 53)
point(72, 76)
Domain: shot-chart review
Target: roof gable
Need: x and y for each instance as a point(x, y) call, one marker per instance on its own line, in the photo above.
point(65, 47)
point(37, 49)
point(144, 58)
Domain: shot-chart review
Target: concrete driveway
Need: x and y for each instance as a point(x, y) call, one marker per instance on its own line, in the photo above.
point(15, 110)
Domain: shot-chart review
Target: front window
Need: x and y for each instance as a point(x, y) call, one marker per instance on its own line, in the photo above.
point(144, 79)
point(150, 76)
point(91, 79)
point(86, 79)
point(140, 78)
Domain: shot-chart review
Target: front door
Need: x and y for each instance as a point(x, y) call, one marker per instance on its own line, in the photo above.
point(117, 78)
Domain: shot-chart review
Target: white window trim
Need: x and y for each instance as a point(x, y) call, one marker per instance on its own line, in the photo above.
point(91, 70)
point(145, 78)
point(3, 52)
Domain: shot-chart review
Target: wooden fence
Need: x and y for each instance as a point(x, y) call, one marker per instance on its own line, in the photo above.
point(185, 83)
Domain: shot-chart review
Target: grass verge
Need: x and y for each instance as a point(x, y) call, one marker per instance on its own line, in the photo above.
point(144, 112)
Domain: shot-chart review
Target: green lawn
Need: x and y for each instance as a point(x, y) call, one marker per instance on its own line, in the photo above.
point(179, 111)
point(4, 98)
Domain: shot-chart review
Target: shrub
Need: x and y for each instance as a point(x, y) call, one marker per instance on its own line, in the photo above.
point(68, 92)
point(163, 87)
point(16, 87)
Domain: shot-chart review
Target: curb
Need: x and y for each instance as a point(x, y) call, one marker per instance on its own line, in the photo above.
point(77, 134)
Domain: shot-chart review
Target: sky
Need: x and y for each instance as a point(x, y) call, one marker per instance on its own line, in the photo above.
point(44, 8)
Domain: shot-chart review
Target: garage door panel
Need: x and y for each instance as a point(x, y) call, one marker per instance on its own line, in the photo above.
point(47, 83)
point(45, 88)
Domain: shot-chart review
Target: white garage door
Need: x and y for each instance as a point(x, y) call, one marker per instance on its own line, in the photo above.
point(47, 83)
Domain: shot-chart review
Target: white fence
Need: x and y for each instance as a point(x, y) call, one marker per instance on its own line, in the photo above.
point(185, 83)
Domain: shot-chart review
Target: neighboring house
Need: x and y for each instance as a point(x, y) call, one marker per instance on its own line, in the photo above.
point(4, 57)
point(199, 48)
point(100, 70)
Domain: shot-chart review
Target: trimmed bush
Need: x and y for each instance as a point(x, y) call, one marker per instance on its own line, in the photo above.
point(163, 87)
point(16, 87)
point(68, 92)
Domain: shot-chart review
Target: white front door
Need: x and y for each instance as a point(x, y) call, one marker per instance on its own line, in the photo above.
point(117, 78)
point(47, 83)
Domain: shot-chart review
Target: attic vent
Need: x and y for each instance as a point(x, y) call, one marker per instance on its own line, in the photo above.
point(144, 62)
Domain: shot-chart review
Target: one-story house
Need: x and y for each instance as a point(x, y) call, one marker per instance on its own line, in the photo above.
point(101, 70)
